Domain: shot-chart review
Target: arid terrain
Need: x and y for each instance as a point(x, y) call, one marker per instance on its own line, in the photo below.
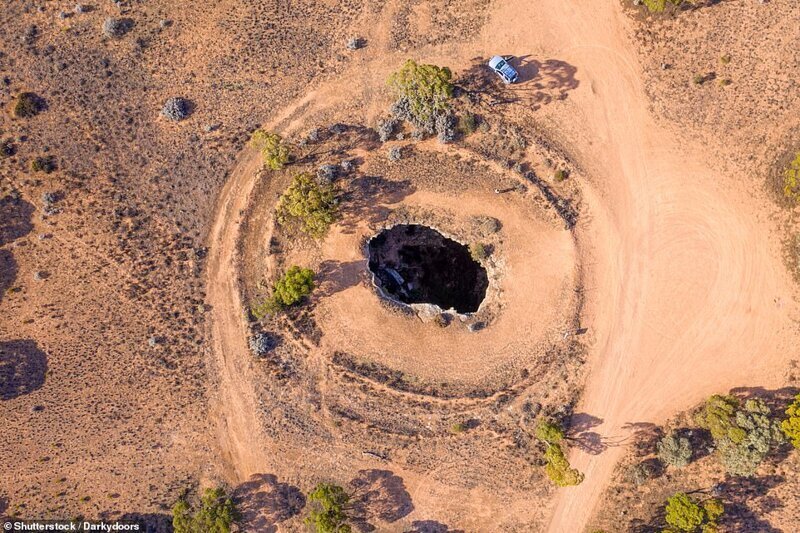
point(640, 252)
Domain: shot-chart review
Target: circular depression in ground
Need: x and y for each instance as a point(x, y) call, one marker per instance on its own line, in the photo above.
point(416, 264)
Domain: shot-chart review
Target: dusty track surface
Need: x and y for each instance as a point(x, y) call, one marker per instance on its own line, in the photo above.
point(684, 292)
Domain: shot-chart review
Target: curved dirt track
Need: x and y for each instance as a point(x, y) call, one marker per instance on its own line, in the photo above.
point(685, 287)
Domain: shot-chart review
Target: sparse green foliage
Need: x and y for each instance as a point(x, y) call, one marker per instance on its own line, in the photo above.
point(639, 473)
point(328, 512)
point(724, 82)
point(558, 468)
point(272, 148)
point(427, 88)
point(549, 432)
point(27, 105)
point(683, 514)
point(658, 6)
point(699, 79)
point(309, 204)
point(46, 164)
point(674, 451)
point(791, 179)
point(293, 286)
point(478, 251)
point(717, 417)
point(216, 514)
point(744, 435)
point(560, 175)
point(467, 124)
point(791, 426)
point(458, 427)
point(725, 59)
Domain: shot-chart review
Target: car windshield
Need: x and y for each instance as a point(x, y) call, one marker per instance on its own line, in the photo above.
point(500, 65)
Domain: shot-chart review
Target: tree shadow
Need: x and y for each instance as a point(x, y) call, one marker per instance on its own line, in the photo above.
point(776, 399)
point(740, 495)
point(15, 219)
point(23, 367)
point(337, 276)
point(580, 422)
point(264, 502)
point(8, 271)
point(367, 198)
point(541, 82)
point(379, 494)
point(431, 526)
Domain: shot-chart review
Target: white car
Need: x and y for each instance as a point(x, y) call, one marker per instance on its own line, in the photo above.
point(503, 69)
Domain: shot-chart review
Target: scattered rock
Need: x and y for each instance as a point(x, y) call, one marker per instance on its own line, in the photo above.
point(354, 43)
point(176, 108)
point(116, 28)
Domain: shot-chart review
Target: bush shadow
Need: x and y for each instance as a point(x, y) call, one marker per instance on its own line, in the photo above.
point(367, 198)
point(23, 367)
point(431, 526)
point(264, 502)
point(8, 271)
point(15, 219)
point(337, 276)
point(379, 494)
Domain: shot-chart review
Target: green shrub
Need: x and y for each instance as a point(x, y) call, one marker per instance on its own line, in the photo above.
point(291, 288)
point(467, 124)
point(216, 514)
point(791, 179)
point(724, 82)
point(309, 204)
point(658, 6)
point(674, 451)
point(329, 506)
point(27, 105)
point(725, 59)
point(699, 79)
point(558, 468)
point(744, 434)
point(478, 251)
point(458, 427)
point(549, 432)
point(560, 175)
point(683, 514)
point(46, 164)
point(426, 88)
point(273, 150)
point(791, 426)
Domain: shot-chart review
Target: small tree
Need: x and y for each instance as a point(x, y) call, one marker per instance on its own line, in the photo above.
point(674, 451)
point(309, 204)
point(427, 88)
point(273, 150)
point(549, 432)
point(291, 288)
point(744, 435)
point(791, 426)
point(791, 179)
point(657, 6)
point(558, 468)
point(682, 514)
point(215, 515)
point(329, 506)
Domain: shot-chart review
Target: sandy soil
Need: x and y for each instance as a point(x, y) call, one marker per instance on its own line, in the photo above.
point(119, 394)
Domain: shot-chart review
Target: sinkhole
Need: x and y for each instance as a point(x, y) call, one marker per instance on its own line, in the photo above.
point(415, 264)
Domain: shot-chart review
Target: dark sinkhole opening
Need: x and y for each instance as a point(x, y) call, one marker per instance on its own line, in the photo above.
point(416, 264)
